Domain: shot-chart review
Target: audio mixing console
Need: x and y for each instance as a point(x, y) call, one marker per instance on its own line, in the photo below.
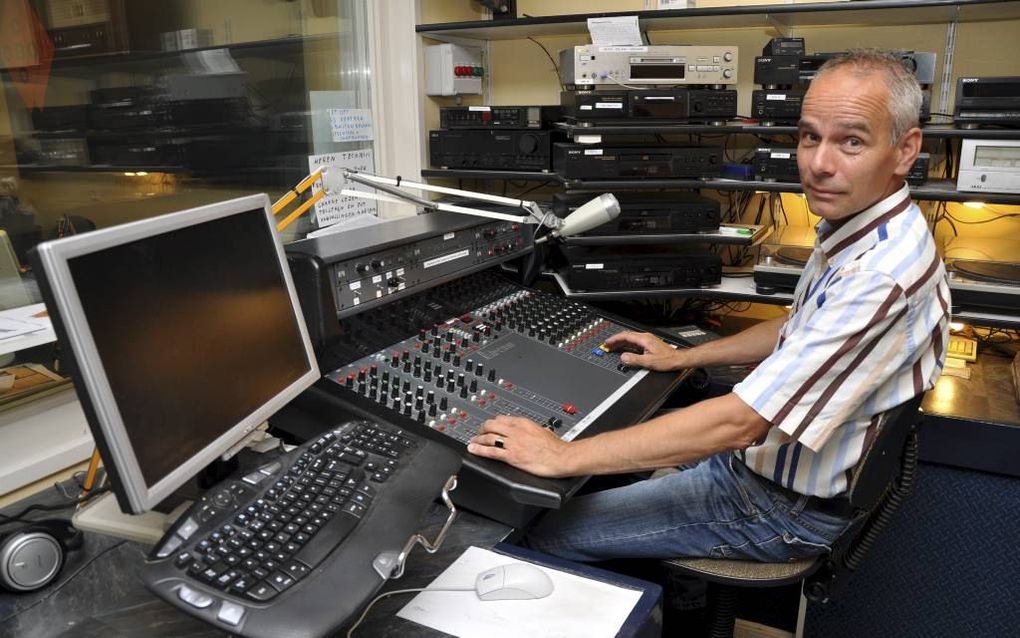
point(443, 361)
point(522, 353)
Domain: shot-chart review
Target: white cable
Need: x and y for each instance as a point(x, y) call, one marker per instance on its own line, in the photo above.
point(361, 618)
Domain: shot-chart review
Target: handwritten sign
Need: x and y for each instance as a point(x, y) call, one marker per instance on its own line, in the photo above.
point(335, 207)
point(350, 125)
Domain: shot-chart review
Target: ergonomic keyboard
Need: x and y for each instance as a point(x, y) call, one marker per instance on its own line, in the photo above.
point(288, 549)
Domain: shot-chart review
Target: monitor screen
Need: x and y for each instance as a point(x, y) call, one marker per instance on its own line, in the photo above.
point(187, 334)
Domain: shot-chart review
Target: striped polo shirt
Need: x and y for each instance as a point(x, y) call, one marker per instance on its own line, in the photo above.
point(867, 332)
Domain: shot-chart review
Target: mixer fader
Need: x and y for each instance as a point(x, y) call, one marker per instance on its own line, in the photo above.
point(489, 347)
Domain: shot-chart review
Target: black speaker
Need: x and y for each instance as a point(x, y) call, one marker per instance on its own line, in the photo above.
point(31, 556)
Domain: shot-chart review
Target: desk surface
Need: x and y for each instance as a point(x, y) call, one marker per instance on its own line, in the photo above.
point(974, 423)
point(988, 396)
point(99, 595)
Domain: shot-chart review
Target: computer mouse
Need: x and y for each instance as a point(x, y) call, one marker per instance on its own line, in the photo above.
point(515, 581)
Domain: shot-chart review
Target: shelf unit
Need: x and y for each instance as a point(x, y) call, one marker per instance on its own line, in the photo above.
point(781, 18)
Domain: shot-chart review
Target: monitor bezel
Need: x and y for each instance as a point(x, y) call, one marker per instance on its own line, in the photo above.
point(133, 493)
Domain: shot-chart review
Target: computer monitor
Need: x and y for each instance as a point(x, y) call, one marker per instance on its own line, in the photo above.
point(185, 333)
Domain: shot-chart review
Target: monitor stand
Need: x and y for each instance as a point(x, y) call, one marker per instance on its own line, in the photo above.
point(103, 515)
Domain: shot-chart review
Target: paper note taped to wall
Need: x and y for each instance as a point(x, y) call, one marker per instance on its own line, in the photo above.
point(350, 125)
point(335, 207)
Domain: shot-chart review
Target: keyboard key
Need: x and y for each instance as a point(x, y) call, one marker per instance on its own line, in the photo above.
point(193, 597)
point(296, 570)
point(261, 592)
point(226, 578)
point(280, 581)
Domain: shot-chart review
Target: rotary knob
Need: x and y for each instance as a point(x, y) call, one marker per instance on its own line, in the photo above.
point(527, 144)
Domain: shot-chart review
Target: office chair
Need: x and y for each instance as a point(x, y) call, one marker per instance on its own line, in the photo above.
point(884, 477)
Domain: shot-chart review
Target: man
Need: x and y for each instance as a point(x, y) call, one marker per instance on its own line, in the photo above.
point(867, 332)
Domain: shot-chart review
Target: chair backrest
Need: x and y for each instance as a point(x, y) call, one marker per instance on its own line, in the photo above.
point(880, 462)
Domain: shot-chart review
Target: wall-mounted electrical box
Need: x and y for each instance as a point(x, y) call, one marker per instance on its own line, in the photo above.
point(452, 69)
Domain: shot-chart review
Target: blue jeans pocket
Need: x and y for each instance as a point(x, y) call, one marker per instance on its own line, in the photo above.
point(797, 547)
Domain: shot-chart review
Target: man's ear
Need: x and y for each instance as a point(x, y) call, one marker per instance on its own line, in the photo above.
point(907, 150)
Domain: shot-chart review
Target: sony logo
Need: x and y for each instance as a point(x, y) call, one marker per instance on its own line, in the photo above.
point(965, 80)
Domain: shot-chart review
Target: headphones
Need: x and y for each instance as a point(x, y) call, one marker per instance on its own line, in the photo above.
point(31, 556)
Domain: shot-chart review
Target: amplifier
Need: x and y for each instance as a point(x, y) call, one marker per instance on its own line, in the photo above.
point(651, 104)
point(499, 117)
point(989, 166)
point(987, 100)
point(776, 105)
point(777, 70)
point(589, 65)
point(584, 161)
point(616, 268)
point(491, 149)
point(776, 165)
point(919, 170)
point(650, 213)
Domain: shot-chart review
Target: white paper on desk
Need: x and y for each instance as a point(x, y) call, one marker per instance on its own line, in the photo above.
point(11, 328)
point(578, 607)
point(620, 31)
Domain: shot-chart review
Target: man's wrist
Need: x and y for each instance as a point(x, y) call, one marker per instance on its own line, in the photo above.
point(684, 358)
point(570, 460)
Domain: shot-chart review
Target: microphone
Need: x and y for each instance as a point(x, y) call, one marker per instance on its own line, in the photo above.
point(592, 214)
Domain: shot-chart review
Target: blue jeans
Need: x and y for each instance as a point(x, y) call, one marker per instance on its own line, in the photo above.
point(716, 508)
